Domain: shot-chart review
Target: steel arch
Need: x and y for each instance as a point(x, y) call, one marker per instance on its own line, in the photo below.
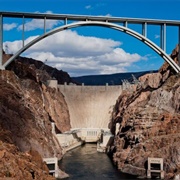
point(131, 32)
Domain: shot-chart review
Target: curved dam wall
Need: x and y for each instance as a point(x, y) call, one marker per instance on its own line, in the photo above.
point(90, 106)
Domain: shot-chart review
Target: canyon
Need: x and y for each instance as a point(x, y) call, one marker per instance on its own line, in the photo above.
point(144, 120)
point(27, 108)
point(148, 122)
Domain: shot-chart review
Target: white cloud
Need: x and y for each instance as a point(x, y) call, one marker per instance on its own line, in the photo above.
point(118, 55)
point(46, 12)
point(108, 15)
point(8, 27)
point(69, 43)
point(12, 47)
point(88, 7)
point(157, 36)
point(98, 5)
point(79, 55)
point(114, 69)
point(39, 24)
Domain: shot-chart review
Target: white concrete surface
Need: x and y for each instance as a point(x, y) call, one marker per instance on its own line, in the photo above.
point(151, 169)
point(105, 141)
point(90, 106)
point(52, 83)
point(53, 162)
point(76, 137)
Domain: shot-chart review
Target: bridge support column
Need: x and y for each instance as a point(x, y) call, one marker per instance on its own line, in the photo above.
point(45, 25)
point(1, 42)
point(23, 31)
point(163, 37)
point(65, 21)
point(144, 29)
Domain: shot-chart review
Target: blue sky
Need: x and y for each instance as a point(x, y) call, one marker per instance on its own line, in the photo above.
point(91, 50)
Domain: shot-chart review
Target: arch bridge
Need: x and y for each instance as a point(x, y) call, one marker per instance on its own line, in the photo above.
point(117, 23)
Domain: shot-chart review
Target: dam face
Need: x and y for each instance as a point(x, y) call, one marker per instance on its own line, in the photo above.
point(90, 106)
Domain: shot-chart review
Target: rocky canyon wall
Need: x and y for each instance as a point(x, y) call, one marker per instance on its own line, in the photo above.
point(27, 108)
point(149, 123)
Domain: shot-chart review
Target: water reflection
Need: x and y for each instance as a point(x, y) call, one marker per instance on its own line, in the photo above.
point(85, 163)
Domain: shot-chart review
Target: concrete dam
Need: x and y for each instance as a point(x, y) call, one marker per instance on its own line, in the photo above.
point(90, 109)
point(90, 106)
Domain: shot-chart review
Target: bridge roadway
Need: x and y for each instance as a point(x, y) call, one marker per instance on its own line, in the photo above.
point(90, 106)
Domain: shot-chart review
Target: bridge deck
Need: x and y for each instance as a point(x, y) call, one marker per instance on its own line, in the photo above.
point(87, 17)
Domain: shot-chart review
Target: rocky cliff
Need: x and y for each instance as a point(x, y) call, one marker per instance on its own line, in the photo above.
point(27, 108)
point(29, 68)
point(148, 122)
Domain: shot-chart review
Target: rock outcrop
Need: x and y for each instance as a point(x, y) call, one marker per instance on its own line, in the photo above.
point(28, 68)
point(27, 108)
point(17, 165)
point(149, 123)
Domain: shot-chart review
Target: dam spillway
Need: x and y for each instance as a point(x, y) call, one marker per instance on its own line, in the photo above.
point(90, 106)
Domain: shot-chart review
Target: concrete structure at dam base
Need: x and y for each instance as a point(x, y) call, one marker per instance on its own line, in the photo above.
point(105, 141)
point(76, 137)
point(52, 164)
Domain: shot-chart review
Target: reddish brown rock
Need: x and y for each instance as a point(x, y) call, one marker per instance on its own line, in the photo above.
point(17, 165)
point(27, 108)
point(149, 121)
point(151, 80)
point(56, 106)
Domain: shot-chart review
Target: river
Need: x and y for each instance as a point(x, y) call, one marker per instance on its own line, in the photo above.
point(85, 163)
